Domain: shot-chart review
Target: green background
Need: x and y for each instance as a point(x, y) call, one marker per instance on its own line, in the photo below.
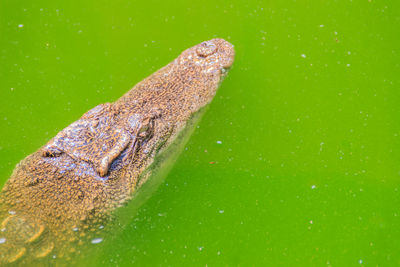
point(308, 171)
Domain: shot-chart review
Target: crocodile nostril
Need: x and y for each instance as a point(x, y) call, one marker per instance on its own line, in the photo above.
point(206, 48)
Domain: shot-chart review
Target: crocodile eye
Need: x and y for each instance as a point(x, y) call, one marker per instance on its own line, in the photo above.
point(146, 130)
point(143, 130)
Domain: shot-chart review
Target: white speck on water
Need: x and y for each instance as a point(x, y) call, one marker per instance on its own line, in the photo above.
point(219, 142)
point(313, 186)
point(348, 52)
point(11, 212)
point(12, 88)
point(201, 248)
point(3, 229)
point(75, 229)
point(347, 65)
point(54, 256)
point(2, 240)
point(360, 261)
point(311, 222)
point(97, 240)
point(101, 227)
point(221, 211)
point(303, 55)
point(321, 26)
point(20, 25)
point(320, 146)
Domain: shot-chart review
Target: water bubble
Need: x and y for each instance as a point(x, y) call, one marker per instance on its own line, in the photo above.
point(219, 142)
point(97, 240)
point(303, 55)
point(2, 240)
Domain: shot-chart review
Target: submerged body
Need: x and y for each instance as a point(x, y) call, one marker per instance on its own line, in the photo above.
point(68, 188)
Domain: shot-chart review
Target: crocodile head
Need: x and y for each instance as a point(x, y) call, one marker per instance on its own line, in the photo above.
point(119, 140)
point(93, 165)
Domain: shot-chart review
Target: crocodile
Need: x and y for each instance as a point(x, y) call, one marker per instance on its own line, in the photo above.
point(71, 185)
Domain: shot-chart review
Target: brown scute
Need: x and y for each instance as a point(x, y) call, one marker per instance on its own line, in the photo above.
point(44, 250)
point(16, 254)
point(58, 196)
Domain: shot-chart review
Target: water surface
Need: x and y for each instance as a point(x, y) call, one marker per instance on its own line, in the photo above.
point(296, 161)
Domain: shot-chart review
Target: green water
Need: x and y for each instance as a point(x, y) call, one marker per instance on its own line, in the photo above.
point(307, 171)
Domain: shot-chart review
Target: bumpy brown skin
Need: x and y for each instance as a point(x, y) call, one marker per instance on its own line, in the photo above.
point(69, 187)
